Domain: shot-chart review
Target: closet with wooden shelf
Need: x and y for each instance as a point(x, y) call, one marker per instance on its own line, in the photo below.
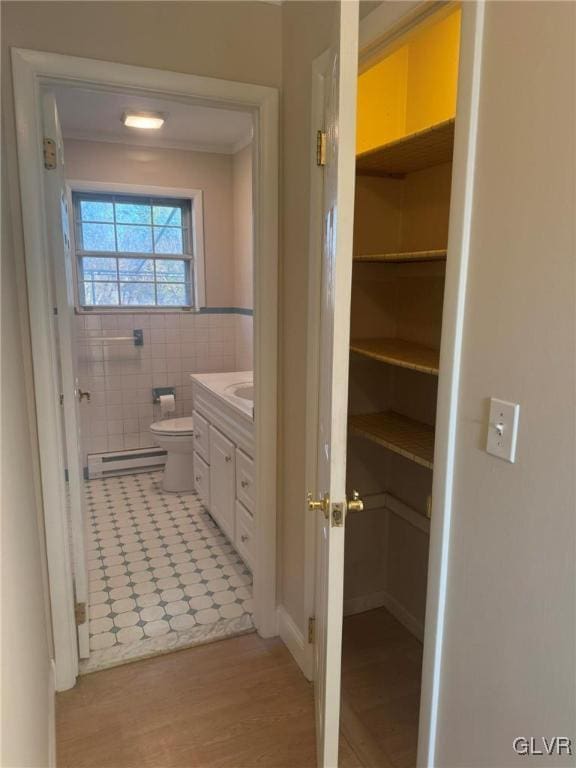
point(406, 119)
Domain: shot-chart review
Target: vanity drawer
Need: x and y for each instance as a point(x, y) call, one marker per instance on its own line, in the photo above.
point(245, 481)
point(202, 479)
point(245, 535)
point(201, 436)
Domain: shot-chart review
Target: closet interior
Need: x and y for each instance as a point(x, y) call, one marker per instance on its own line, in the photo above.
point(405, 136)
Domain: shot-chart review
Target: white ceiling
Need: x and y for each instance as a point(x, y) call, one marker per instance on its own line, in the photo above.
point(96, 116)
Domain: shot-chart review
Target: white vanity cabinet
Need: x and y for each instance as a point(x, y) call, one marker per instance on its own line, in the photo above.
point(224, 466)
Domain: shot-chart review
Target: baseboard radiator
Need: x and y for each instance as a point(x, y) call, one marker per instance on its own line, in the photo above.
point(124, 462)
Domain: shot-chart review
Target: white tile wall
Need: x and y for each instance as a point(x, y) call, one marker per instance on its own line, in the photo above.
point(120, 376)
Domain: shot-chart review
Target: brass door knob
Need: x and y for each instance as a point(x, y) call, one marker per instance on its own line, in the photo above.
point(315, 505)
point(355, 504)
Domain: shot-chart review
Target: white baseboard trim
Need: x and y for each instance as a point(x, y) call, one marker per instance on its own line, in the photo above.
point(384, 600)
point(52, 715)
point(295, 641)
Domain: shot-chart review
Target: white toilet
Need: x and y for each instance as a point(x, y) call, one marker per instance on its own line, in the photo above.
point(176, 437)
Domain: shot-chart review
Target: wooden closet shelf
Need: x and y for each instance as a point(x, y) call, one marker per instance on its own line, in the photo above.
point(415, 152)
point(402, 257)
point(405, 354)
point(409, 438)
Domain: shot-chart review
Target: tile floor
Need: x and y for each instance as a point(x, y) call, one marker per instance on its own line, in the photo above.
point(162, 574)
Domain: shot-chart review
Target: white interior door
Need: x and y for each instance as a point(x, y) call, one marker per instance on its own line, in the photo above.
point(58, 226)
point(337, 228)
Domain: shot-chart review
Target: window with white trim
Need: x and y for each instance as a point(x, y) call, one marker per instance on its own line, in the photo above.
point(133, 251)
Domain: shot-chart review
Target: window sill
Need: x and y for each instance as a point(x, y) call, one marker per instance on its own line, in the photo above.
point(137, 311)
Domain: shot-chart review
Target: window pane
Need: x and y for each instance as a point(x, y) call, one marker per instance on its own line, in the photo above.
point(171, 294)
point(102, 294)
point(96, 210)
point(88, 294)
point(136, 269)
point(141, 294)
point(95, 268)
point(170, 271)
point(133, 213)
point(98, 237)
point(134, 239)
point(167, 240)
point(167, 214)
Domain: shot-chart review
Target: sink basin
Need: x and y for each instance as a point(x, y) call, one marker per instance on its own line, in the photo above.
point(245, 391)
point(242, 389)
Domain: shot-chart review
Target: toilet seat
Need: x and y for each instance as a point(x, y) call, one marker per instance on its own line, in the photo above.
point(182, 426)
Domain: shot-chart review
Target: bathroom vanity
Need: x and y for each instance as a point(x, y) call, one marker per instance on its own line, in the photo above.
point(224, 477)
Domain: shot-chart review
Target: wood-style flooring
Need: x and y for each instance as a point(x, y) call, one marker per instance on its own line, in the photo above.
point(238, 703)
point(243, 703)
point(381, 680)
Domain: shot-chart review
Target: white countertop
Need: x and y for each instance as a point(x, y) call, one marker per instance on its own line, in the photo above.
point(223, 385)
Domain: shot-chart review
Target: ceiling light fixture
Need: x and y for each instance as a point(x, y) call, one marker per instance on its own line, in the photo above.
point(146, 120)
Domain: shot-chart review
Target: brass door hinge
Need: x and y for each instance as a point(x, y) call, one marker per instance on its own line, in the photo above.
point(50, 158)
point(80, 613)
point(311, 629)
point(320, 148)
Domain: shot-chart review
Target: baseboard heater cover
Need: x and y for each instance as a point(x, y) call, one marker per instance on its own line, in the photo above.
point(117, 462)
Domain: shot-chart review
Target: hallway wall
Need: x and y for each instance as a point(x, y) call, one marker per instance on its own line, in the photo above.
point(510, 635)
point(234, 40)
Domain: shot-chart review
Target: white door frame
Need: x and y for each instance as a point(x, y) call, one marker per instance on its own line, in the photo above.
point(377, 30)
point(31, 70)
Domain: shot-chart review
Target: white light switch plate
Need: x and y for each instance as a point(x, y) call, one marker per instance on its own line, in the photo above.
point(503, 429)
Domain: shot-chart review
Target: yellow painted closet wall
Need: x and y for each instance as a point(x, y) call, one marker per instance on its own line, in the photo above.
point(413, 88)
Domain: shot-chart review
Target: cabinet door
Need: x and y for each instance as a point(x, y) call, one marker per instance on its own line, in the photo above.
point(222, 481)
point(201, 436)
point(202, 480)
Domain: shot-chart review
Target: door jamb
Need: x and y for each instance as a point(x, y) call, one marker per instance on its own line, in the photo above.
point(379, 28)
point(30, 70)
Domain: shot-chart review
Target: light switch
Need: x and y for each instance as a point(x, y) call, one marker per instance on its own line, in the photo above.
point(503, 429)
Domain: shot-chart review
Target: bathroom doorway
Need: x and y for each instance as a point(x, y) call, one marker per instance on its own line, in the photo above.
point(165, 334)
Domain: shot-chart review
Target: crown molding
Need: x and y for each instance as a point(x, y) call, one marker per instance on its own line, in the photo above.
point(186, 146)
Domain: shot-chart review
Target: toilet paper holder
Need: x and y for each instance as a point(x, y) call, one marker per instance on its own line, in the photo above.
point(157, 391)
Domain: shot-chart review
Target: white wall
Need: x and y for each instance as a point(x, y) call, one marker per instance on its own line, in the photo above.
point(243, 238)
point(120, 377)
point(212, 173)
point(509, 652)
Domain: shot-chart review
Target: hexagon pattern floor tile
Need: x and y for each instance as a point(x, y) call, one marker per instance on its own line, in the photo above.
point(162, 574)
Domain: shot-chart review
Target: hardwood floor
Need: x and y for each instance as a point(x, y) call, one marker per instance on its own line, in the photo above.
point(238, 703)
point(381, 679)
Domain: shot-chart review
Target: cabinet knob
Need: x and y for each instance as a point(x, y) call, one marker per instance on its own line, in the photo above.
point(198, 435)
point(244, 483)
point(197, 478)
point(244, 538)
point(228, 458)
